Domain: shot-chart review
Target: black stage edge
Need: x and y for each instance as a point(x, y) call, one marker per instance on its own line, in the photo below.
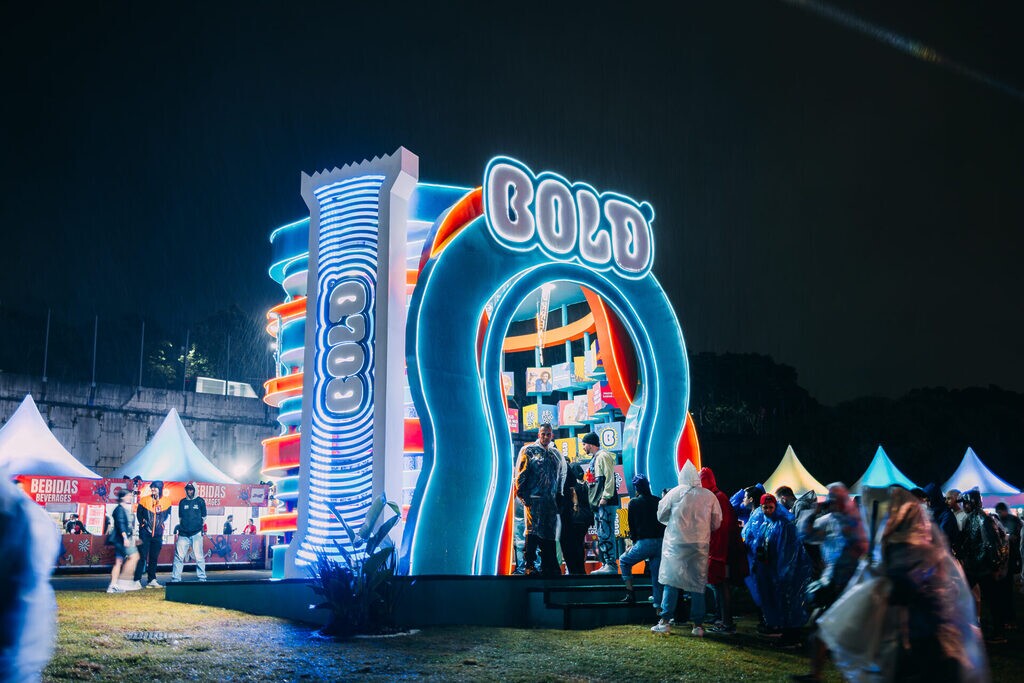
point(514, 601)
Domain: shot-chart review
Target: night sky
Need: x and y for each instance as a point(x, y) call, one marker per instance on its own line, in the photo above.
point(821, 196)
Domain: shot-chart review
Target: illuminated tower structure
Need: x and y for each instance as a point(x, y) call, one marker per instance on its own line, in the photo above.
point(286, 324)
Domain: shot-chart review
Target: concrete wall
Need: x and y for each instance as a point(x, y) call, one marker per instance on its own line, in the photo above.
point(106, 426)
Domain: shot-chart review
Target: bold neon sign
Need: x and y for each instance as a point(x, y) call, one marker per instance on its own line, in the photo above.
point(567, 220)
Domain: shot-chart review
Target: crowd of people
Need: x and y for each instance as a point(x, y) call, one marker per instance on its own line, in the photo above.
point(905, 583)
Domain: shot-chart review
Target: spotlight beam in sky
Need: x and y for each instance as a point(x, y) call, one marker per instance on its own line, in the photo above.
point(904, 44)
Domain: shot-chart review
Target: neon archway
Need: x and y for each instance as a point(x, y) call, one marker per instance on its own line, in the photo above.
point(466, 471)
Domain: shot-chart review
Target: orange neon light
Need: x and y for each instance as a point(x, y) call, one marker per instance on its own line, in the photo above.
point(279, 388)
point(280, 453)
point(616, 351)
point(285, 312)
point(553, 336)
point(278, 524)
point(689, 446)
point(459, 216)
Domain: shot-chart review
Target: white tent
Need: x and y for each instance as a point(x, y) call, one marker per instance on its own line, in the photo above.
point(27, 446)
point(172, 456)
point(881, 474)
point(972, 474)
point(792, 473)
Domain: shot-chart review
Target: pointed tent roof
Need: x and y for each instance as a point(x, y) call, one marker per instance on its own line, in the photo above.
point(172, 456)
point(792, 473)
point(881, 474)
point(27, 446)
point(972, 473)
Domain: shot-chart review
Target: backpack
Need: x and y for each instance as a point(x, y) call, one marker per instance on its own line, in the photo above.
point(997, 547)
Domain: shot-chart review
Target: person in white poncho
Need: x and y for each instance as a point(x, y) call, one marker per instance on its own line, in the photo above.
point(690, 513)
point(29, 544)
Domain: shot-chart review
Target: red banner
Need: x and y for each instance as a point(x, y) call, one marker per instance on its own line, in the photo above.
point(83, 491)
point(82, 550)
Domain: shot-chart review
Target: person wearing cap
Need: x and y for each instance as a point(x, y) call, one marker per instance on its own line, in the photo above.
point(604, 499)
point(646, 532)
point(779, 570)
point(192, 522)
point(151, 518)
point(74, 525)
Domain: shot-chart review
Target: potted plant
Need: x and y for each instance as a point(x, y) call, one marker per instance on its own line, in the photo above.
point(359, 590)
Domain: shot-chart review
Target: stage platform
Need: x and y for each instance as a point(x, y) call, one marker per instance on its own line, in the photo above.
point(514, 601)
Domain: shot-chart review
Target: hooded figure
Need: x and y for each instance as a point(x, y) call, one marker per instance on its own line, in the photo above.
point(690, 513)
point(30, 545)
point(779, 567)
point(718, 550)
point(727, 561)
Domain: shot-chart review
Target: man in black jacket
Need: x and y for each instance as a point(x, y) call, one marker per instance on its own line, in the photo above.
point(192, 518)
point(151, 517)
point(646, 532)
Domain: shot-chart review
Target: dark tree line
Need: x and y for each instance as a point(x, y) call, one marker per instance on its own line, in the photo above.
point(748, 408)
point(231, 344)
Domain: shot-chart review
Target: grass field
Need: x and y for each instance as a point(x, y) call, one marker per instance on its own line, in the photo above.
point(211, 644)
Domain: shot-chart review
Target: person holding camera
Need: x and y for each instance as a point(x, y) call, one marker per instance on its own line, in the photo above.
point(837, 528)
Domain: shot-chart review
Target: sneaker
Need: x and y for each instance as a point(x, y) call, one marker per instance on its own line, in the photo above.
point(154, 584)
point(770, 631)
point(697, 631)
point(630, 599)
point(722, 630)
point(662, 627)
point(606, 569)
point(175, 580)
point(202, 580)
point(114, 589)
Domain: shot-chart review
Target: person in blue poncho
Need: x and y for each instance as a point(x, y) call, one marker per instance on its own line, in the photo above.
point(779, 569)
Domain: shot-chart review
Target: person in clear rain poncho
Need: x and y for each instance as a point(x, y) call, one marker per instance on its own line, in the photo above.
point(690, 513)
point(907, 615)
point(29, 544)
